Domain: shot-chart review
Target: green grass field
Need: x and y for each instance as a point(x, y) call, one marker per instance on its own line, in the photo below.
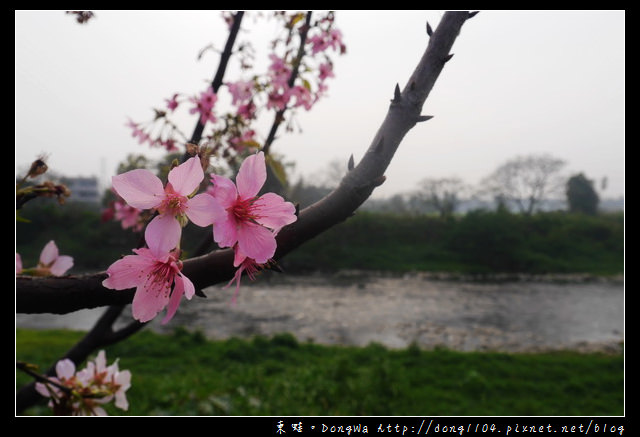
point(186, 374)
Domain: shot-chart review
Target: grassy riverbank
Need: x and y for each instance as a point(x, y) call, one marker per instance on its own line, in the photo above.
point(186, 374)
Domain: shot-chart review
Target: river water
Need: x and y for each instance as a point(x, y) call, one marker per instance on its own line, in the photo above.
point(360, 308)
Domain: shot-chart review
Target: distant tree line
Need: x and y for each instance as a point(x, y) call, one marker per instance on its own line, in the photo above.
point(524, 184)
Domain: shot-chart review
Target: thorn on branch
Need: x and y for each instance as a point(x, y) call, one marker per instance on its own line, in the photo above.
point(421, 118)
point(297, 212)
point(200, 293)
point(429, 29)
point(350, 164)
point(379, 181)
point(397, 96)
point(472, 14)
point(448, 58)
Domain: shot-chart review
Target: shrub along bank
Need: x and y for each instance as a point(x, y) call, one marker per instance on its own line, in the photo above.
point(477, 243)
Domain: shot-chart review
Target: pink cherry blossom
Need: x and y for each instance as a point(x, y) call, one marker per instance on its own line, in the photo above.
point(241, 91)
point(172, 103)
point(326, 70)
point(128, 216)
point(329, 39)
point(143, 190)
point(169, 144)
point(155, 272)
point(247, 111)
point(243, 264)
point(87, 389)
point(303, 97)
point(117, 382)
point(318, 43)
point(51, 262)
point(279, 72)
point(239, 142)
point(18, 264)
point(279, 99)
point(250, 221)
point(204, 106)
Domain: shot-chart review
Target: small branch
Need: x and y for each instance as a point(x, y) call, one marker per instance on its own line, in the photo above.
point(216, 83)
point(24, 367)
point(279, 117)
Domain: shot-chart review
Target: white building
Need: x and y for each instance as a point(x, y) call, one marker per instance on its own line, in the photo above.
point(83, 189)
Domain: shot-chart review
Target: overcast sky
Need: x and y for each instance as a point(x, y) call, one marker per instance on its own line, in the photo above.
point(521, 82)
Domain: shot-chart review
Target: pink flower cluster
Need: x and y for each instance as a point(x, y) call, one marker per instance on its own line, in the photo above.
point(331, 38)
point(241, 218)
point(85, 391)
point(273, 90)
point(155, 271)
point(51, 263)
point(204, 106)
point(138, 131)
point(279, 74)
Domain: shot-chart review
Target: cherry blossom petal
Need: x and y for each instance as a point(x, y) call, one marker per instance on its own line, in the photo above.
point(204, 210)
point(139, 188)
point(99, 411)
point(18, 263)
point(162, 234)
point(186, 177)
point(149, 301)
point(127, 272)
point(183, 286)
point(61, 265)
point(256, 242)
point(49, 253)
point(225, 231)
point(123, 379)
point(224, 191)
point(251, 176)
point(238, 257)
point(189, 288)
point(43, 390)
point(65, 368)
point(274, 212)
point(101, 361)
point(174, 301)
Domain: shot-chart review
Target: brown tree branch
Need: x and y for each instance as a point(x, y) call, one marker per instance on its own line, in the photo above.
point(63, 295)
point(279, 117)
point(216, 83)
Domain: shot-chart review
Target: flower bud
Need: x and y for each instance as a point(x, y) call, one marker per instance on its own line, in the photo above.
point(37, 168)
point(192, 149)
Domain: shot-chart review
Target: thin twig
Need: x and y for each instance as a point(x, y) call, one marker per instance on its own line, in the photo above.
point(279, 117)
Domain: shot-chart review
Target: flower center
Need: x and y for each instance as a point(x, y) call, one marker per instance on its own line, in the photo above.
point(244, 210)
point(163, 274)
point(173, 204)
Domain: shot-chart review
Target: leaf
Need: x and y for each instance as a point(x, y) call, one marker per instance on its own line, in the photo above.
point(297, 17)
point(19, 218)
point(278, 169)
point(251, 143)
